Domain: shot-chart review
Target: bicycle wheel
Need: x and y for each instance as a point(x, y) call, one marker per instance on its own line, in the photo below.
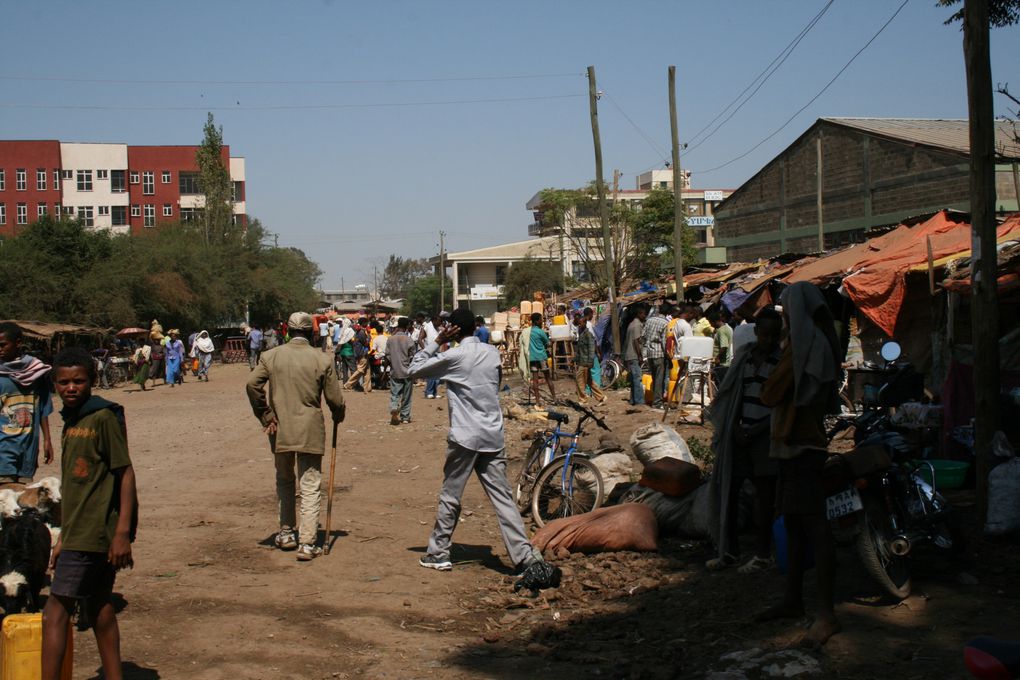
point(610, 372)
point(522, 474)
point(566, 487)
point(117, 376)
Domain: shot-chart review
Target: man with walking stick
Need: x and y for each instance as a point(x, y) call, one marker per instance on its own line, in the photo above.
point(298, 377)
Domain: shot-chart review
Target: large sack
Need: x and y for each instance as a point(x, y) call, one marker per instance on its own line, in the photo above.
point(689, 516)
point(671, 476)
point(630, 526)
point(654, 441)
point(615, 468)
point(1003, 491)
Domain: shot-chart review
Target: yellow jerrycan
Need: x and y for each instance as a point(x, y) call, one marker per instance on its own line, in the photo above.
point(21, 648)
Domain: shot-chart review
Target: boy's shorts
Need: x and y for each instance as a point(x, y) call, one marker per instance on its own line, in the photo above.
point(538, 366)
point(83, 576)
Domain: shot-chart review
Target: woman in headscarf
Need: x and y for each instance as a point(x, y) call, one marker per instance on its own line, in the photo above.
point(801, 391)
point(203, 351)
point(142, 359)
point(174, 358)
point(343, 352)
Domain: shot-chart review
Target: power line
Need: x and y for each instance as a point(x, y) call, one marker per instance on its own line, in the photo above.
point(286, 107)
point(390, 81)
point(813, 99)
point(767, 73)
point(634, 125)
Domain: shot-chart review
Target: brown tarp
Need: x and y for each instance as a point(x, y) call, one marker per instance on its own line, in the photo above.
point(45, 331)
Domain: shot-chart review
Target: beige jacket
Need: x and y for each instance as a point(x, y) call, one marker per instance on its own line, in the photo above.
point(299, 376)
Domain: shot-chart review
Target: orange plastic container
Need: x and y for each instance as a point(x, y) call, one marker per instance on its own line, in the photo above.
point(21, 648)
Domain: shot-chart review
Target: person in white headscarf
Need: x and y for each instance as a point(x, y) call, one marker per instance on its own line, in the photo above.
point(801, 391)
point(203, 351)
point(346, 362)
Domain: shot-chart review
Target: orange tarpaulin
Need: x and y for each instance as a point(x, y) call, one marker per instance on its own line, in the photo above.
point(877, 283)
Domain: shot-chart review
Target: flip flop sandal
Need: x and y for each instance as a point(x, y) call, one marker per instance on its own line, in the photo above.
point(720, 563)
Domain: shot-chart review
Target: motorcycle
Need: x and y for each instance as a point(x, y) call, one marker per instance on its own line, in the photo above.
point(877, 493)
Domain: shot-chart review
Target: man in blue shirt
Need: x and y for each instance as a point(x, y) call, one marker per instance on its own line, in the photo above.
point(25, 407)
point(481, 332)
point(254, 347)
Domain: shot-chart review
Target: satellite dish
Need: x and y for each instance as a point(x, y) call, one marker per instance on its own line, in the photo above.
point(891, 351)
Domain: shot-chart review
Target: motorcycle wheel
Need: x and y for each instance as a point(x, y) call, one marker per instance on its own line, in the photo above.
point(888, 570)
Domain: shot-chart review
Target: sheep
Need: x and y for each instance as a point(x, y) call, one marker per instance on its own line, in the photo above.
point(24, 557)
point(9, 506)
point(43, 496)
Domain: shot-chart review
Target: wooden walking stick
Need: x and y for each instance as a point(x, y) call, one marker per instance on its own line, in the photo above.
point(329, 500)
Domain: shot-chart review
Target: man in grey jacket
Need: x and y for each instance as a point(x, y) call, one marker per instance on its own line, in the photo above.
point(475, 441)
point(399, 351)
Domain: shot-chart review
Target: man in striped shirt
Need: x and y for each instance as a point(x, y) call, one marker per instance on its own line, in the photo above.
point(653, 337)
point(749, 447)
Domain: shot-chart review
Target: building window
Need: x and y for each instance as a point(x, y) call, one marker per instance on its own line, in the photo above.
point(20, 179)
point(150, 215)
point(148, 183)
point(136, 210)
point(40, 179)
point(40, 210)
point(69, 210)
point(134, 177)
point(118, 185)
point(104, 211)
point(188, 182)
point(56, 180)
point(3, 180)
point(190, 214)
point(168, 210)
point(84, 180)
point(119, 217)
point(102, 174)
point(166, 177)
point(85, 215)
point(23, 213)
point(68, 174)
point(56, 210)
point(3, 213)
point(238, 192)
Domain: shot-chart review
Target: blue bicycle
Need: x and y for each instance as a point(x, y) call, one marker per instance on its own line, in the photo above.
point(556, 479)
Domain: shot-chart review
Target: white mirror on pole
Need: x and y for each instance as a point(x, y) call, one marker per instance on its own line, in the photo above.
point(891, 351)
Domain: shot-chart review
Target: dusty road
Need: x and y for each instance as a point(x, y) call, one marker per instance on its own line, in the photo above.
point(210, 599)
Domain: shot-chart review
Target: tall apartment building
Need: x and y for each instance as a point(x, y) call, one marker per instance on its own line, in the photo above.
point(123, 188)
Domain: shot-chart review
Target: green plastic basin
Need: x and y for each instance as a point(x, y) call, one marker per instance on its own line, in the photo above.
point(949, 474)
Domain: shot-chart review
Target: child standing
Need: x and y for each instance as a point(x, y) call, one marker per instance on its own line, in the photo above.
point(99, 505)
point(538, 356)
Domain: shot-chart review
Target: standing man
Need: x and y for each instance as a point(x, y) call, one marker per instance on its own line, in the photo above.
point(291, 412)
point(802, 390)
point(475, 442)
point(324, 337)
point(632, 355)
point(25, 407)
point(361, 346)
point(723, 345)
point(538, 358)
point(430, 331)
point(584, 360)
point(653, 338)
point(254, 347)
point(481, 331)
point(400, 349)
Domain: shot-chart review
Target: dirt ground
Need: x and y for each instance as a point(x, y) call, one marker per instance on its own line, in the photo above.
point(209, 598)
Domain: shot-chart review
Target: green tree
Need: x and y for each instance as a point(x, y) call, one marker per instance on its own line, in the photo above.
point(424, 296)
point(1000, 12)
point(400, 274)
point(652, 222)
point(214, 180)
point(529, 275)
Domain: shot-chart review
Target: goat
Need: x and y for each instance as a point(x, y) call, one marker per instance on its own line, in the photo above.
point(43, 496)
point(24, 558)
point(9, 506)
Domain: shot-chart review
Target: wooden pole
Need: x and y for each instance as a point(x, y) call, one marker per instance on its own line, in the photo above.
point(1016, 184)
point(442, 271)
point(984, 262)
point(616, 184)
point(678, 192)
point(821, 219)
point(600, 190)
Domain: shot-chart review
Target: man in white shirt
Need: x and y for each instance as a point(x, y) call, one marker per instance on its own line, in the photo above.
point(430, 331)
point(475, 442)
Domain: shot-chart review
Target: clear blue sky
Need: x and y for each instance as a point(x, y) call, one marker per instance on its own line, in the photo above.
point(351, 185)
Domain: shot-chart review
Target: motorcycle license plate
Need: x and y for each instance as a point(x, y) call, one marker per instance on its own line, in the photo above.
point(843, 503)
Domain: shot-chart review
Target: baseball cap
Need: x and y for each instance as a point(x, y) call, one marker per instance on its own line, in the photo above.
point(300, 321)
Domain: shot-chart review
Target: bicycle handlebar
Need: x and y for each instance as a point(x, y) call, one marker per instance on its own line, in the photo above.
point(589, 413)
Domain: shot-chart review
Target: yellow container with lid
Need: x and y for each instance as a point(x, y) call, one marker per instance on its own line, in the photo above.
point(21, 648)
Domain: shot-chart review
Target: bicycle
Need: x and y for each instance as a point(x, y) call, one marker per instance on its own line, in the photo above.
point(555, 484)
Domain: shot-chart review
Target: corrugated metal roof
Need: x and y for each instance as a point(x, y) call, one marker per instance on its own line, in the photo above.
point(942, 133)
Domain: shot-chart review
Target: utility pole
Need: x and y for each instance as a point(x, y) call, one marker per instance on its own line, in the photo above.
point(375, 275)
point(442, 270)
point(600, 190)
point(616, 185)
point(678, 193)
point(984, 261)
point(821, 220)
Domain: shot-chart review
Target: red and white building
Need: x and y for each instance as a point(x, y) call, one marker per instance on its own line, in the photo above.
point(123, 188)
